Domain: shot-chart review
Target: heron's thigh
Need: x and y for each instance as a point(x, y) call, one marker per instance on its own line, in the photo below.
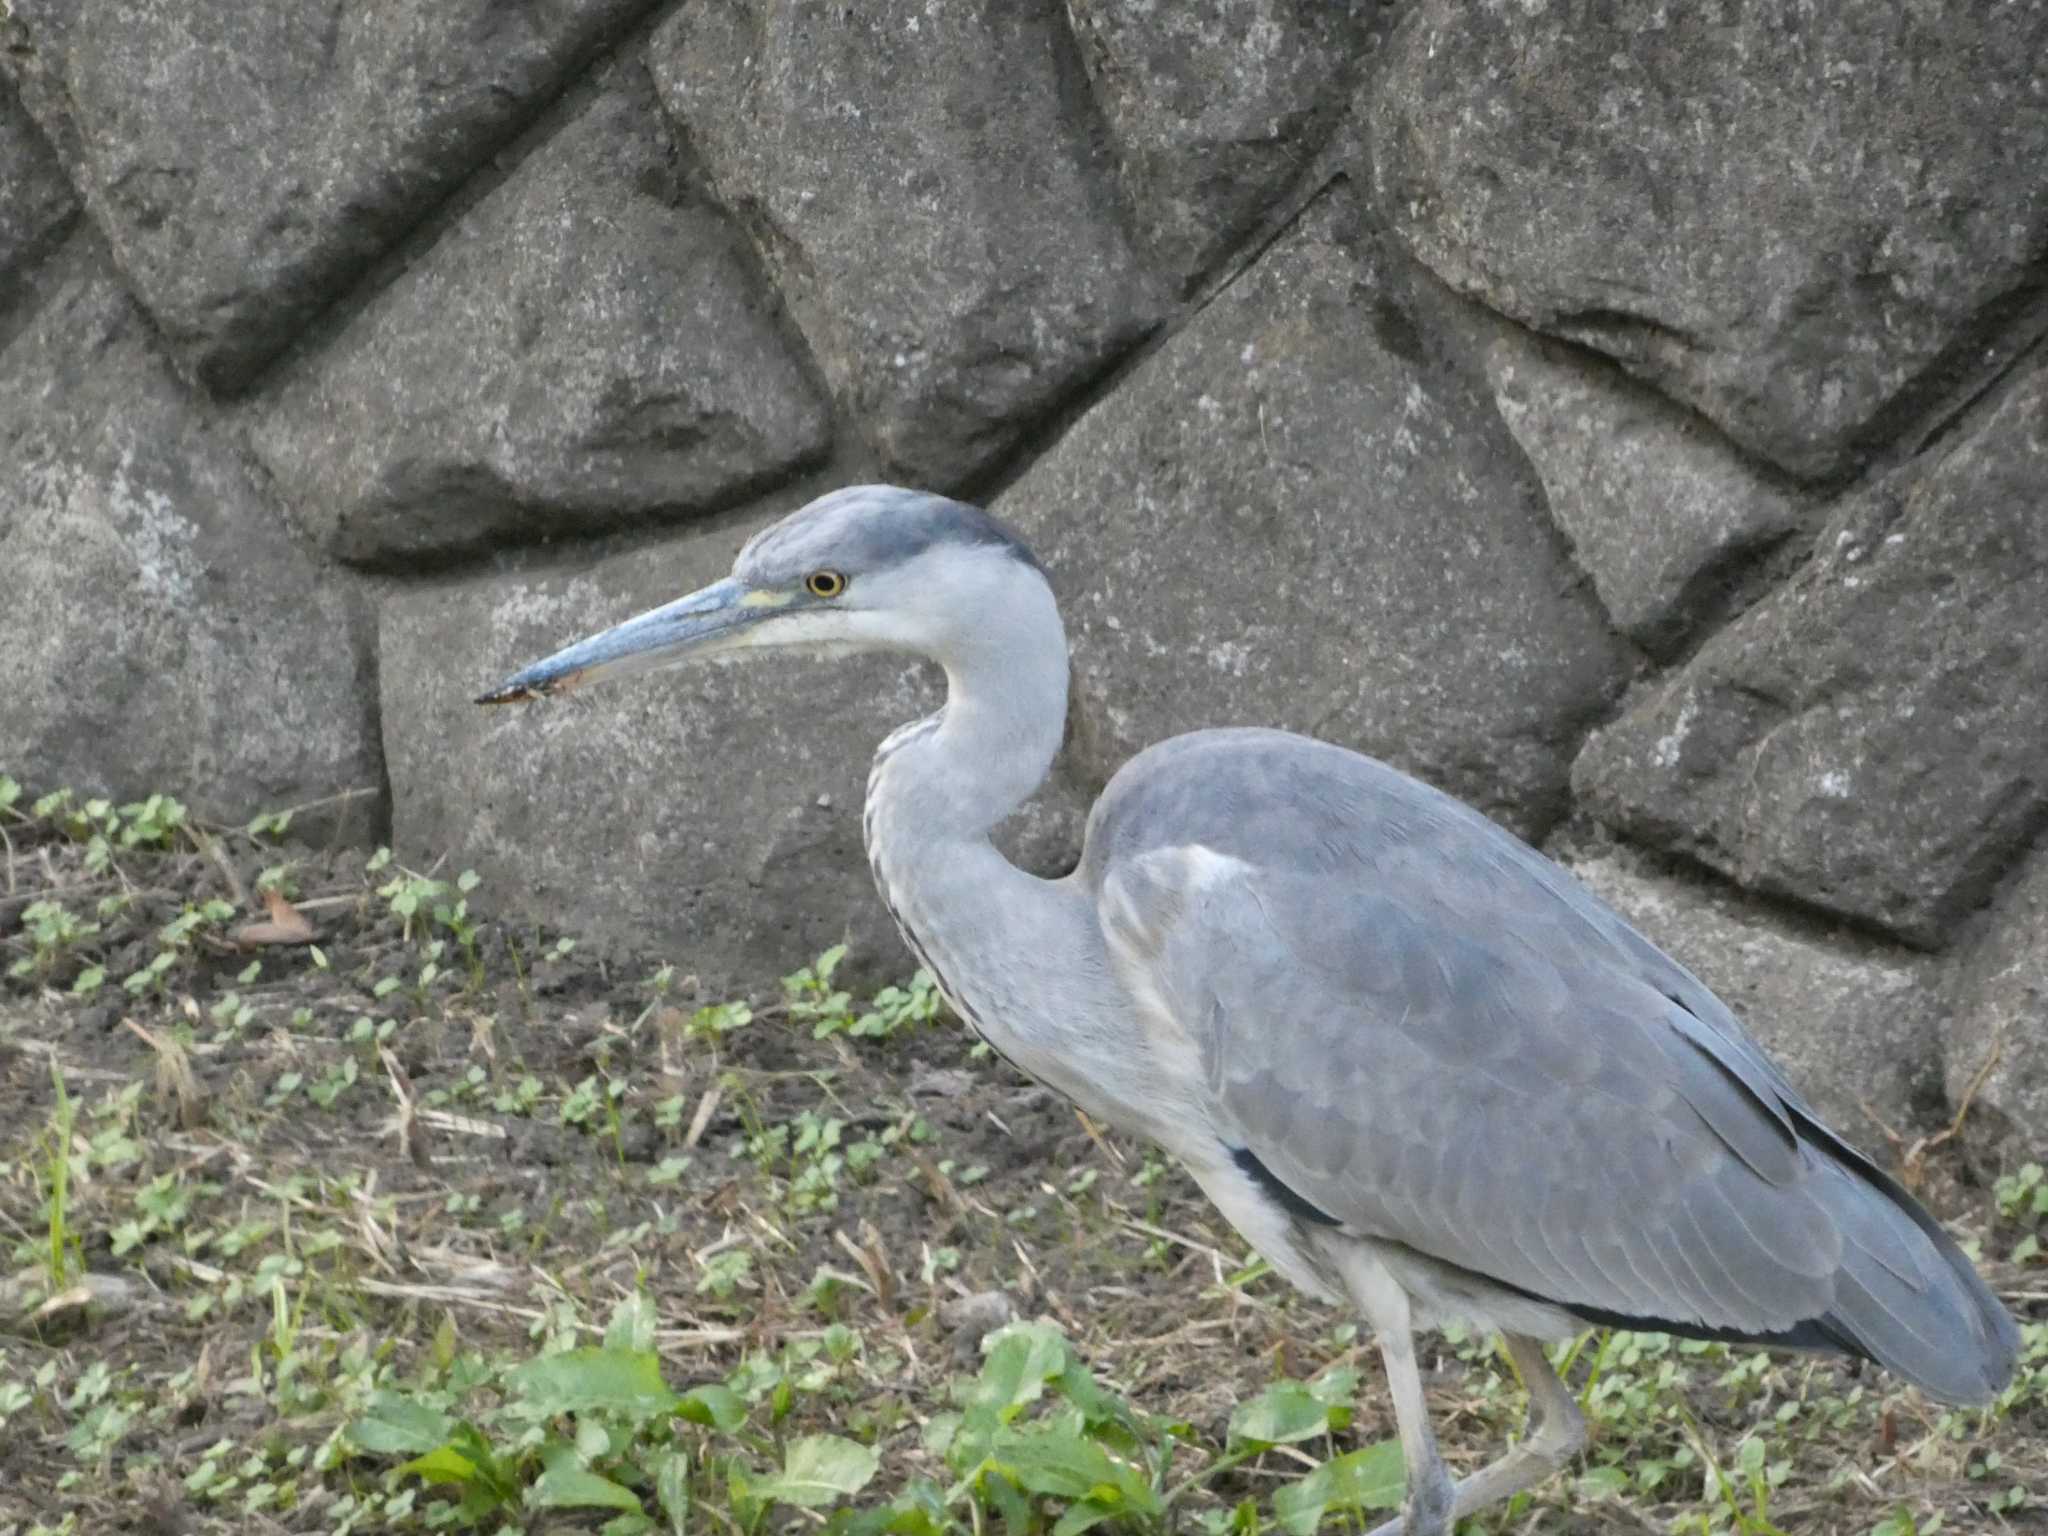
point(1274, 1234)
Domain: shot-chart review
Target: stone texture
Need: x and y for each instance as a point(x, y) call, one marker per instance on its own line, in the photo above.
point(1995, 1031)
point(247, 161)
point(35, 199)
point(710, 815)
point(1870, 738)
point(585, 347)
point(522, 298)
point(1786, 215)
point(162, 630)
point(1214, 107)
point(1657, 505)
point(948, 244)
point(1284, 517)
point(1852, 1023)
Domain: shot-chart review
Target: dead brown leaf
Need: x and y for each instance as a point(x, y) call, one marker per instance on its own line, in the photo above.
point(285, 925)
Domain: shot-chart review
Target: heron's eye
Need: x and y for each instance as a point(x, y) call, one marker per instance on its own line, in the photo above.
point(825, 583)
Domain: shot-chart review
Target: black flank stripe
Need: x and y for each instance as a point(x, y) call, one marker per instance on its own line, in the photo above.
point(1290, 1202)
point(1808, 1333)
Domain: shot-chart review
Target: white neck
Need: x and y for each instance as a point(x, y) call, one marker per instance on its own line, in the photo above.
point(968, 767)
point(987, 930)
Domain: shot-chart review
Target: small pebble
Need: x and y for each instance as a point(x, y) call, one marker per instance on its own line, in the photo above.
point(972, 1318)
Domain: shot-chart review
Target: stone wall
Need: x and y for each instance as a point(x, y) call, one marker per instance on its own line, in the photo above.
point(1637, 426)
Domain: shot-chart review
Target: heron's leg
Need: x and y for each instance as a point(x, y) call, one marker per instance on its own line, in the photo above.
point(1556, 1433)
point(1427, 1510)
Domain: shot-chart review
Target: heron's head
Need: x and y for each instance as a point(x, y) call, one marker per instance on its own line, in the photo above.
point(871, 567)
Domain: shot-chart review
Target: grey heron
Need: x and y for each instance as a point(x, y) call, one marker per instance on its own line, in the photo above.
point(1413, 1061)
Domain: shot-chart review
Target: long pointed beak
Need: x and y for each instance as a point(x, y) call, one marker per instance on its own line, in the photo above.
point(651, 639)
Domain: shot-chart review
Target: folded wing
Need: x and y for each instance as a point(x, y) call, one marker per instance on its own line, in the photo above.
point(1432, 1034)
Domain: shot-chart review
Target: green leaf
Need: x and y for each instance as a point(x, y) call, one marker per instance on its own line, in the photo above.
point(1605, 1482)
point(466, 1459)
point(632, 1324)
point(919, 1509)
point(1135, 1490)
point(965, 1440)
point(1085, 1516)
point(1369, 1479)
point(1077, 1384)
point(618, 1381)
point(443, 1464)
point(1056, 1461)
point(1285, 1412)
point(720, 1407)
point(1021, 1359)
point(818, 1469)
point(1014, 1508)
point(1336, 1386)
point(395, 1425)
point(672, 1488)
point(565, 1483)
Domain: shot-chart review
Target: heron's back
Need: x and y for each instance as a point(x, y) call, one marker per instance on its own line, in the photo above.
point(1383, 919)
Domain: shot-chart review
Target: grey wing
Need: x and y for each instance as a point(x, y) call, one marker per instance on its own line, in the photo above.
point(1428, 1032)
point(1467, 1100)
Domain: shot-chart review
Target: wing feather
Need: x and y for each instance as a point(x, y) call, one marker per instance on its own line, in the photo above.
point(1433, 1034)
point(1441, 1053)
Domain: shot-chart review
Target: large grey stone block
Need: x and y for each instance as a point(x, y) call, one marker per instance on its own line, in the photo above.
point(710, 814)
point(925, 201)
point(1215, 107)
point(1659, 507)
point(162, 629)
point(585, 347)
point(1995, 1032)
point(247, 161)
point(1868, 739)
point(1789, 216)
point(1854, 1024)
point(1287, 516)
point(35, 199)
